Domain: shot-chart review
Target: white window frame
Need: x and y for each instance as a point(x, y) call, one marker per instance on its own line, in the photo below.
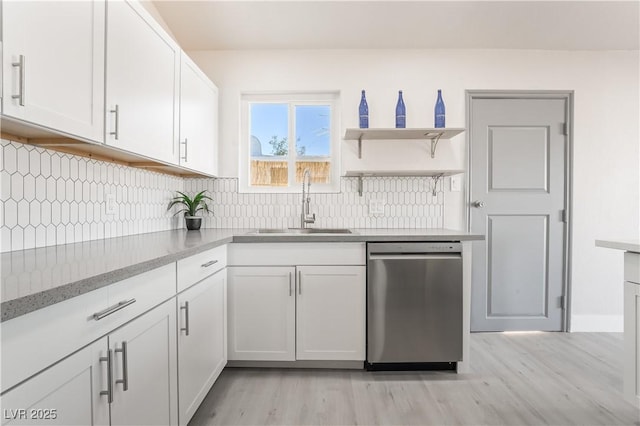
point(291, 98)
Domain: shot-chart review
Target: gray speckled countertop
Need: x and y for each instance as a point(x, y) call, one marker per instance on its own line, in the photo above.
point(36, 278)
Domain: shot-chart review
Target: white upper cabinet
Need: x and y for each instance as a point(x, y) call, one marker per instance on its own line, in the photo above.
point(198, 119)
point(53, 65)
point(142, 83)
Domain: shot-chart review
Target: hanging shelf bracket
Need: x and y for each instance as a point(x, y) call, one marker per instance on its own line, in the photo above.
point(436, 178)
point(435, 138)
point(360, 147)
point(360, 185)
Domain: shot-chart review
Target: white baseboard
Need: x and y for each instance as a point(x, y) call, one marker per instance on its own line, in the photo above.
point(597, 323)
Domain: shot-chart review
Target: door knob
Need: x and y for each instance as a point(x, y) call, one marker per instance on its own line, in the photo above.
point(478, 204)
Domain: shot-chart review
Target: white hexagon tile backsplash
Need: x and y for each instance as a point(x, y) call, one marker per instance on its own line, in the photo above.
point(408, 203)
point(49, 198)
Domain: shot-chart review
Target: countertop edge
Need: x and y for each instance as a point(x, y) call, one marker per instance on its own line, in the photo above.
point(619, 245)
point(23, 305)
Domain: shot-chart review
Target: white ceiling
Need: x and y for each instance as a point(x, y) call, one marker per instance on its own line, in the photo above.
point(453, 24)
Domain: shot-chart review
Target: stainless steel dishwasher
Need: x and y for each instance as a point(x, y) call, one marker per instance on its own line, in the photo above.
point(414, 305)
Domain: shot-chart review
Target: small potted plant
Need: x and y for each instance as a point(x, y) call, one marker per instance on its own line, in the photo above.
point(191, 207)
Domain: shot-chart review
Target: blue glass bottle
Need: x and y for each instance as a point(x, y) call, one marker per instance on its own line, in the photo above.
point(364, 112)
point(439, 111)
point(401, 117)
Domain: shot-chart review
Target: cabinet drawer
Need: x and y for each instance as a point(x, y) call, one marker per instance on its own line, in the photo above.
point(36, 340)
point(284, 254)
point(199, 266)
point(632, 267)
point(148, 290)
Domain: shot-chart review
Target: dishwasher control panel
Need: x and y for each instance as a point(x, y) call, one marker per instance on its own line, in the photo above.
point(412, 248)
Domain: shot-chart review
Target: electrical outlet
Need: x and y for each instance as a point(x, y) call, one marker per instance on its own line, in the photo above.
point(456, 183)
point(376, 206)
point(110, 204)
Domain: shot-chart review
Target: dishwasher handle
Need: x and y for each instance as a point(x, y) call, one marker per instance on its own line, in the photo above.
point(414, 256)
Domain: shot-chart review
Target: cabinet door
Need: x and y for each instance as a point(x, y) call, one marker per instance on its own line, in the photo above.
point(202, 339)
point(144, 369)
point(632, 342)
point(59, 83)
point(68, 393)
point(142, 83)
point(330, 314)
point(261, 317)
point(198, 119)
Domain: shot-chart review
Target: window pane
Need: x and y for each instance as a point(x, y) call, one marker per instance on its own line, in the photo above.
point(269, 144)
point(269, 129)
point(269, 173)
point(313, 130)
point(320, 171)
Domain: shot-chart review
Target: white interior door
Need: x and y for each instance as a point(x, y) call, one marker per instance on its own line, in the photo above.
point(517, 193)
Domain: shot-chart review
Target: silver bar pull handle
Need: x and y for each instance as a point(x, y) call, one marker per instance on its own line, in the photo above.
point(186, 145)
point(109, 391)
point(116, 129)
point(290, 277)
point(111, 309)
point(125, 370)
point(185, 308)
point(209, 263)
point(299, 282)
point(20, 95)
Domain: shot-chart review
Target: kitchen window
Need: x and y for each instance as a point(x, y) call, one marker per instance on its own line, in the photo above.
point(282, 135)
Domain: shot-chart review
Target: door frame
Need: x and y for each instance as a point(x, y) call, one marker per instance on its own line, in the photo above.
point(567, 95)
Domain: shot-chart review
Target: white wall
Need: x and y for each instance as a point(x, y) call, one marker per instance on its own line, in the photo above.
point(606, 157)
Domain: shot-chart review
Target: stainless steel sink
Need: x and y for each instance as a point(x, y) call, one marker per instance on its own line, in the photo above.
point(304, 231)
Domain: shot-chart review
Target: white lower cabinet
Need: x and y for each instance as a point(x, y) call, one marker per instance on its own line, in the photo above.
point(631, 342)
point(632, 327)
point(68, 393)
point(262, 312)
point(126, 378)
point(297, 313)
point(202, 332)
point(331, 313)
point(144, 369)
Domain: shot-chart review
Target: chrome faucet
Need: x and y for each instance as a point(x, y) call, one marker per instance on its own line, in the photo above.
point(305, 217)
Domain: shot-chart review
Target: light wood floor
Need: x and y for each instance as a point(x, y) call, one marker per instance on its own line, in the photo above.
point(515, 379)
